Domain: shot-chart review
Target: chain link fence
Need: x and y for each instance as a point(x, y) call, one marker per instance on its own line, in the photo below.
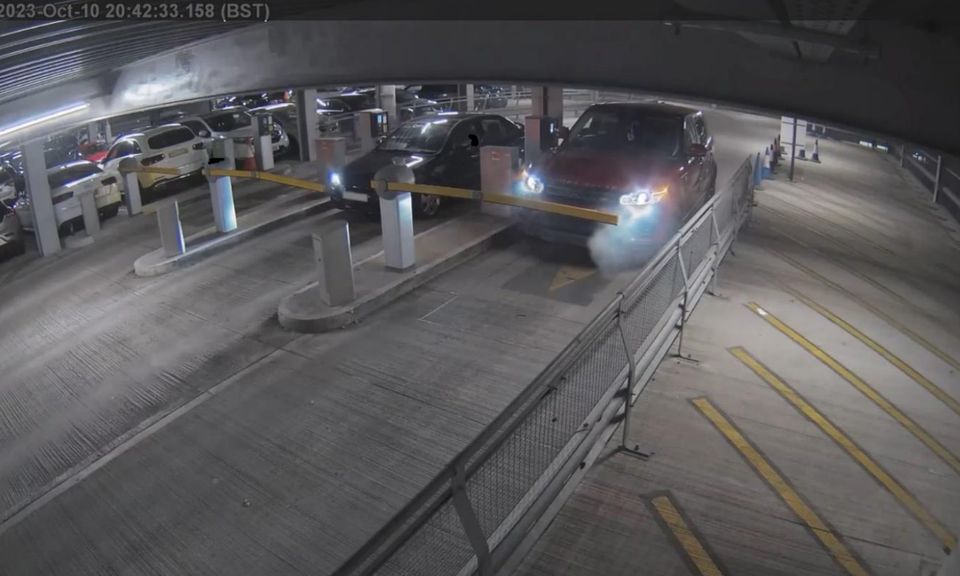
point(474, 514)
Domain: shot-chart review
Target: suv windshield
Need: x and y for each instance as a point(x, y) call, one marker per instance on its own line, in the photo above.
point(227, 121)
point(627, 129)
point(425, 136)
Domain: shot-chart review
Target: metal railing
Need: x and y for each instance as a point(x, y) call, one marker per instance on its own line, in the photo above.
point(934, 172)
point(476, 511)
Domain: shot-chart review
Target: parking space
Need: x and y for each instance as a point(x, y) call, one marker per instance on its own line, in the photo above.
point(813, 428)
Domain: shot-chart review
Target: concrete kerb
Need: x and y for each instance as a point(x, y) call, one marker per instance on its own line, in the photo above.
point(341, 316)
point(156, 262)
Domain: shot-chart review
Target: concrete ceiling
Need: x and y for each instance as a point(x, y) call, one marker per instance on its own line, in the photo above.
point(123, 66)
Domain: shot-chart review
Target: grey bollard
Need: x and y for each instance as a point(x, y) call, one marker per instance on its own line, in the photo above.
point(91, 216)
point(171, 231)
point(221, 187)
point(131, 186)
point(497, 166)
point(396, 217)
point(331, 250)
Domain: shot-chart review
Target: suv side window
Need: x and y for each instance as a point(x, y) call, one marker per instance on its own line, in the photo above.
point(460, 135)
point(690, 135)
point(701, 127)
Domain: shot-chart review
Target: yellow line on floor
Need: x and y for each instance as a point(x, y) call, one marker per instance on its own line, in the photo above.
point(864, 388)
point(691, 545)
point(889, 356)
point(783, 488)
point(902, 495)
point(920, 340)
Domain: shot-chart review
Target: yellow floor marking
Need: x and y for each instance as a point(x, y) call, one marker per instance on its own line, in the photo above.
point(889, 356)
point(864, 388)
point(876, 311)
point(688, 540)
point(569, 274)
point(906, 499)
point(783, 488)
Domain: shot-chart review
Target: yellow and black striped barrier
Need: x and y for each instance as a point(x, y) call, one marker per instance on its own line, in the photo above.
point(507, 199)
point(447, 191)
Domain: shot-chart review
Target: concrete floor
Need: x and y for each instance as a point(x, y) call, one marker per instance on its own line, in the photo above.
point(873, 252)
point(169, 426)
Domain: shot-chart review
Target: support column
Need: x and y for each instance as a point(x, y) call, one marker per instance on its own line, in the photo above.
point(107, 131)
point(308, 128)
point(93, 131)
point(547, 101)
point(793, 148)
point(470, 101)
point(171, 231)
point(387, 101)
point(38, 190)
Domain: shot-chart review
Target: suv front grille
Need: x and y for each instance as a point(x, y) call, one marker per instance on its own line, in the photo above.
point(584, 197)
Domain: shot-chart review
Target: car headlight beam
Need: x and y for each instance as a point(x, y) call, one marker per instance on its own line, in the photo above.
point(532, 184)
point(335, 180)
point(643, 196)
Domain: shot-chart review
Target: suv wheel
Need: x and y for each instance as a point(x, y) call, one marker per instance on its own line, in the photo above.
point(426, 205)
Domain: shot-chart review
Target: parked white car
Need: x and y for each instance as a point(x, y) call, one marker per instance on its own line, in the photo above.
point(11, 236)
point(67, 182)
point(233, 122)
point(169, 146)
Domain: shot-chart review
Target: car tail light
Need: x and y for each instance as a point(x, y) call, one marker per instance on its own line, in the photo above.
point(61, 197)
point(108, 181)
point(198, 146)
point(150, 160)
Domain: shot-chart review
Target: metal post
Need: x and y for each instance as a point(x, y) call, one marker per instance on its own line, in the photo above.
point(793, 147)
point(686, 296)
point(631, 375)
point(715, 232)
point(936, 179)
point(468, 519)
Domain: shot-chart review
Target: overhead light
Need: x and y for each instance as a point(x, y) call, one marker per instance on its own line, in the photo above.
point(45, 118)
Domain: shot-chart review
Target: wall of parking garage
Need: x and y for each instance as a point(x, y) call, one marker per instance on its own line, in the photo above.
point(903, 92)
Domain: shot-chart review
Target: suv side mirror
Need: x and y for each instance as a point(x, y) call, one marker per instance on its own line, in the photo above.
point(697, 149)
point(563, 132)
point(203, 134)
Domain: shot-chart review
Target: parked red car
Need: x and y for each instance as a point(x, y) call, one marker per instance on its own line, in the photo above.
point(650, 163)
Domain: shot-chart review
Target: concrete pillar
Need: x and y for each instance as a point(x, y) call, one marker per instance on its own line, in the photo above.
point(396, 217)
point(262, 146)
point(547, 101)
point(91, 216)
point(308, 127)
point(107, 131)
point(387, 101)
point(38, 189)
point(93, 130)
point(331, 156)
point(171, 231)
point(498, 164)
point(470, 95)
point(331, 250)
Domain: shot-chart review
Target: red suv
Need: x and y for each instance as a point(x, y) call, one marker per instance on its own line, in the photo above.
point(650, 163)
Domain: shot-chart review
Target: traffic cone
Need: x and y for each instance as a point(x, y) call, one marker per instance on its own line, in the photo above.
point(248, 163)
point(816, 150)
point(767, 170)
point(757, 172)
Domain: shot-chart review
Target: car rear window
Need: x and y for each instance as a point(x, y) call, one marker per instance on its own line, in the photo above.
point(170, 138)
point(227, 121)
point(70, 174)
